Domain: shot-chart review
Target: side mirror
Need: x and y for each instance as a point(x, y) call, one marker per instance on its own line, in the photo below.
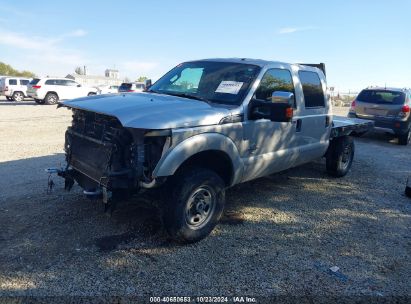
point(282, 97)
point(280, 108)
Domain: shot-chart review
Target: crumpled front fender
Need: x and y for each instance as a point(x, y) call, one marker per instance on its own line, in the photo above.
point(176, 156)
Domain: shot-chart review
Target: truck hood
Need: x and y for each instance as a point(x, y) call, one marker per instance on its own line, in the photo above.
point(151, 110)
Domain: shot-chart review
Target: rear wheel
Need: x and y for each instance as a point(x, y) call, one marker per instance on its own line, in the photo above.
point(404, 139)
point(196, 205)
point(340, 156)
point(18, 96)
point(51, 98)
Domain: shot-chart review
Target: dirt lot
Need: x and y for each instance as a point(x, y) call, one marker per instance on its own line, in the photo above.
point(279, 235)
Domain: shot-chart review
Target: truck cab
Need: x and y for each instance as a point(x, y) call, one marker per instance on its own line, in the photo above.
point(203, 127)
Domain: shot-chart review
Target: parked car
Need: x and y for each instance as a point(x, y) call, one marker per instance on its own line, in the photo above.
point(51, 90)
point(108, 89)
point(389, 108)
point(203, 127)
point(14, 88)
point(132, 87)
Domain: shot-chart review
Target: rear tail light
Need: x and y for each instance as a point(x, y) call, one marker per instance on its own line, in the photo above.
point(353, 104)
point(289, 112)
point(36, 87)
point(405, 109)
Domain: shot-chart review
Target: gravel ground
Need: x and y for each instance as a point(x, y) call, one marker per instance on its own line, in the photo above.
point(279, 234)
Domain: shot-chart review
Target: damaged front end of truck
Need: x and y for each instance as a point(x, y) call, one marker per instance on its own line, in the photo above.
point(107, 159)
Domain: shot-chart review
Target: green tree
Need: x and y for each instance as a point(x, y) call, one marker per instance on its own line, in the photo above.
point(8, 70)
point(142, 79)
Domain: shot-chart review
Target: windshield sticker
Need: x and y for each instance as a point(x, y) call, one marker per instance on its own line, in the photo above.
point(229, 87)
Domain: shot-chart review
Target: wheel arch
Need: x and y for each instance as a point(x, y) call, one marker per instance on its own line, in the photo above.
point(210, 150)
point(52, 92)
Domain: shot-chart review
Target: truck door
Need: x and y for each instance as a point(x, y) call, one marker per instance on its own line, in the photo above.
point(271, 146)
point(314, 120)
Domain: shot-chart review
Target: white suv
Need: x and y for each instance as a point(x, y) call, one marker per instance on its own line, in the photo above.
point(14, 88)
point(51, 90)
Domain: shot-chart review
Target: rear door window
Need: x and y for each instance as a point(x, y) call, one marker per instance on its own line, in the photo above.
point(381, 97)
point(24, 82)
point(51, 82)
point(12, 81)
point(312, 89)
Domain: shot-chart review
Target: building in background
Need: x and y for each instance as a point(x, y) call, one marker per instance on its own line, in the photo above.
point(111, 77)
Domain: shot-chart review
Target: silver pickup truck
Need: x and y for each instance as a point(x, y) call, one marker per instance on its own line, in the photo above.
point(203, 127)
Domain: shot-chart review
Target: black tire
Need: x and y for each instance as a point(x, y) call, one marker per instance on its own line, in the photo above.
point(340, 156)
point(39, 101)
point(196, 204)
point(404, 139)
point(91, 94)
point(51, 98)
point(9, 98)
point(18, 96)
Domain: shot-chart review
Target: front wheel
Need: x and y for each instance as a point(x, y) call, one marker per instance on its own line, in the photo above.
point(340, 156)
point(404, 139)
point(196, 205)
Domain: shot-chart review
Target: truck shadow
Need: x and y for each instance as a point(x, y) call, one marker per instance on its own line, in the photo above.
point(297, 213)
point(379, 137)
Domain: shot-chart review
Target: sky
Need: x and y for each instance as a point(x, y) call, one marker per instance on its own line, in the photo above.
point(362, 43)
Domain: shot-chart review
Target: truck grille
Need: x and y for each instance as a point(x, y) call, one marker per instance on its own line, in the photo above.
point(101, 127)
point(97, 145)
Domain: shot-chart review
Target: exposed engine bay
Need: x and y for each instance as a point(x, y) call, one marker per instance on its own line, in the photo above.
point(101, 153)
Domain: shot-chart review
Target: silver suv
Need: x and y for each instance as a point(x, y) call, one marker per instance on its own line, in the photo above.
point(389, 108)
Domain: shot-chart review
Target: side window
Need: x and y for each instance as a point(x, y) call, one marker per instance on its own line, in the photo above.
point(12, 81)
point(70, 83)
point(24, 82)
point(61, 82)
point(187, 82)
point(51, 82)
point(312, 89)
point(274, 80)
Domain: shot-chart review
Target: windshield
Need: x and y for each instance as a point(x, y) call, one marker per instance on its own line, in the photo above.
point(220, 82)
point(382, 96)
point(34, 81)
